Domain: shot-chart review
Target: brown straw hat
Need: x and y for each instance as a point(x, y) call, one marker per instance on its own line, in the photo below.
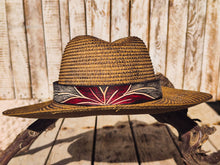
point(102, 78)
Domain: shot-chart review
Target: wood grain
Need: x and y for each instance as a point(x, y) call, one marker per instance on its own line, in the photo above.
point(10, 127)
point(39, 150)
point(140, 20)
point(155, 146)
point(77, 18)
point(74, 144)
point(119, 19)
point(98, 18)
point(114, 143)
point(214, 139)
point(64, 22)
point(52, 40)
point(18, 49)
point(194, 44)
point(158, 34)
point(36, 48)
point(208, 116)
point(211, 55)
point(6, 81)
point(176, 41)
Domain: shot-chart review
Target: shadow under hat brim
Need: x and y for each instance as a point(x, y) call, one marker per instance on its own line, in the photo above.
point(172, 100)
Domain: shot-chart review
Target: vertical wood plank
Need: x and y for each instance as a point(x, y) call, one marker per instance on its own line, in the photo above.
point(74, 144)
point(36, 48)
point(18, 48)
point(119, 19)
point(6, 81)
point(194, 44)
point(211, 56)
point(52, 40)
point(155, 146)
point(114, 143)
point(77, 18)
point(64, 22)
point(176, 41)
point(158, 34)
point(98, 18)
point(140, 19)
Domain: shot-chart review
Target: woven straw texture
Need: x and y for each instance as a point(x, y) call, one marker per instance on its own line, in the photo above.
point(90, 61)
point(173, 100)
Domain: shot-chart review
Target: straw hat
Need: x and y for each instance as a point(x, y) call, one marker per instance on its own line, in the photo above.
point(101, 78)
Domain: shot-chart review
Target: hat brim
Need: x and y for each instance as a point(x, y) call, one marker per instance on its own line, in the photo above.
point(172, 100)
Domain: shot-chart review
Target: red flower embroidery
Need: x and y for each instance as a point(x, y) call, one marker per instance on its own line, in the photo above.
point(108, 95)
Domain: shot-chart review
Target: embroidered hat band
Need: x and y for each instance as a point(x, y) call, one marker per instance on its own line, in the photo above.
point(107, 95)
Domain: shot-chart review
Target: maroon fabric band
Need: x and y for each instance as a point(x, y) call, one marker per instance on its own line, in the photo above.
point(107, 95)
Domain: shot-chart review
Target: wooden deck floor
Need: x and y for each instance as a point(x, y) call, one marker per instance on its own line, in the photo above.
point(114, 140)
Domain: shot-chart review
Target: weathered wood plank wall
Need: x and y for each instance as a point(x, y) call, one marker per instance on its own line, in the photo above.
point(6, 82)
point(183, 37)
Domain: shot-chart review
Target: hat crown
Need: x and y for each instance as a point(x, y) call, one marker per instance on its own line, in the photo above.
point(90, 61)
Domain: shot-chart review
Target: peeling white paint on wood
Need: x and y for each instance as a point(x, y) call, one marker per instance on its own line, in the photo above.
point(98, 18)
point(140, 19)
point(119, 19)
point(64, 22)
point(158, 34)
point(194, 44)
point(36, 48)
point(176, 41)
point(6, 77)
point(77, 18)
point(18, 49)
point(52, 36)
point(211, 55)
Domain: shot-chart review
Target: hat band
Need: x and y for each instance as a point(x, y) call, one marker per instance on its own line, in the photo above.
point(107, 95)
